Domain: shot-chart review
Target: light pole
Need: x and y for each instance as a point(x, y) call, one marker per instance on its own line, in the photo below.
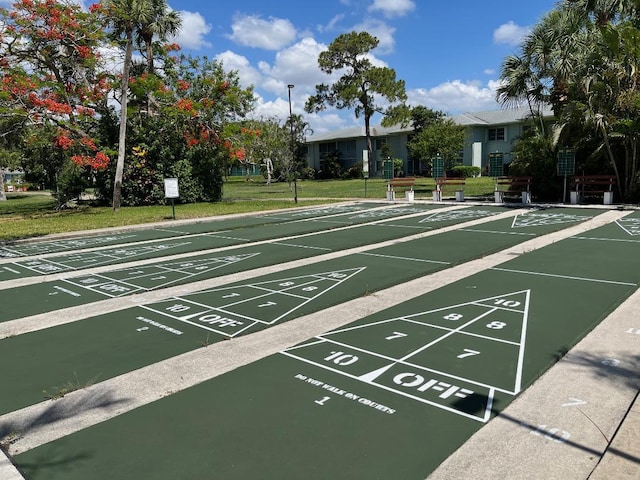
point(293, 151)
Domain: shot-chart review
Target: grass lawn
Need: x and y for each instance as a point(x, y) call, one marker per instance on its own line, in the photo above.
point(33, 214)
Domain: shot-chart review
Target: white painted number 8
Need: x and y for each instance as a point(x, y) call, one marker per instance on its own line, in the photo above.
point(496, 325)
point(453, 316)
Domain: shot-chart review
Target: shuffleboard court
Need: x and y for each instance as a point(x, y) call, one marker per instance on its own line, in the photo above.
point(101, 347)
point(204, 241)
point(82, 289)
point(389, 396)
point(171, 230)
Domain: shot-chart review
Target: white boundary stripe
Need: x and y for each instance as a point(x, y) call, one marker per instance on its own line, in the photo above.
point(300, 246)
point(626, 240)
point(395, 257)
point(567, 277)
point(499, 232)
point(484, 419)
point(523, 339)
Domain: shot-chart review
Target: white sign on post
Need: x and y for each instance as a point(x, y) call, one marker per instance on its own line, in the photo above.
point(365, 163)
point(171, 188)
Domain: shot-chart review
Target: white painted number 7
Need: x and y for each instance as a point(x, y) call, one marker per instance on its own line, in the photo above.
point(468, 353)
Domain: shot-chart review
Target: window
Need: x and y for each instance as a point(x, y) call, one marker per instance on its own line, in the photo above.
point(326, 149)
point(496, 134)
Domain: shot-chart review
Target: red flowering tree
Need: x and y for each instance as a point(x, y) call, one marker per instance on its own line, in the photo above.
point(51, 82)
point(194, 98)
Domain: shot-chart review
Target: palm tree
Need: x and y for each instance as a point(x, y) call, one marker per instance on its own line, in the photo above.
point(163, 23)
point(131, 19)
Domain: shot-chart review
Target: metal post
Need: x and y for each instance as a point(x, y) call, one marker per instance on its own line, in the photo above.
point(293, 151)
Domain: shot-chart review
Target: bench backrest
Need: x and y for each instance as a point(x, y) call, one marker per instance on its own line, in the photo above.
point(594, 180)
point(508, 182)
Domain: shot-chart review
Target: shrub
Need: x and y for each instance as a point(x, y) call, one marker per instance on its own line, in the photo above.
point(465, 171)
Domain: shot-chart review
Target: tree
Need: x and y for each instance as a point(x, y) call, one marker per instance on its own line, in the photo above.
point(361, 83)
point(161, 24)
point(583, 58)
point(188, 137)
point(438, 136)
point(52, 86)
point(144, 19)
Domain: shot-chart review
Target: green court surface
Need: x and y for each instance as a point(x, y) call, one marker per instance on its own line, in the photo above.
point(135, 235)
point(79, 289)
point(99, 348)
point(387, 397)
point(314, 221)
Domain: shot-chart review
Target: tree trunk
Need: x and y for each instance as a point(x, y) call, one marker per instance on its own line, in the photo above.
point(367, 132)
point(122, 137)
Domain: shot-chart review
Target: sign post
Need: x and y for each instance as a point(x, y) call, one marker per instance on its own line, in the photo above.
point(566, 166)
point(171, 191)
point(365, 169)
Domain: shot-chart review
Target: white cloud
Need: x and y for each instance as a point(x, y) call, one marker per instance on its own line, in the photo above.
point(456, 97)
point(247, 74)
point(271, 34)
point(392, 8)
point(331, 25)
point(194, 28)
point(510, 34)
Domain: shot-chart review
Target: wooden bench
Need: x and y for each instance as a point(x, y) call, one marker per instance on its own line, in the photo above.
point(511, 185)
point(401, 182)
point(593, 185)
point(442, 183)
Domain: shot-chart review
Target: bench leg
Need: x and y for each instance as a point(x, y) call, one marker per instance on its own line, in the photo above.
point(409, 195)
point(499, 197)
point(574, 198)
point(460, 196)
point(391, 195)
point(608, 198)
point(526, 198)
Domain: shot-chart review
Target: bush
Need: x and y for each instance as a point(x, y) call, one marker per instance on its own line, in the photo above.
point(465, 171)
point(308, 173)
point(355, 171)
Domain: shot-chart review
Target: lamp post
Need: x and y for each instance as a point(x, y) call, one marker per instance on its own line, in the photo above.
point(293, 152)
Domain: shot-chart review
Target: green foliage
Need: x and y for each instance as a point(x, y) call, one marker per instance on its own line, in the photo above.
point(465, 171)
point(398, 167)
point(437, 136)
point(71, 183)
point(534, 156)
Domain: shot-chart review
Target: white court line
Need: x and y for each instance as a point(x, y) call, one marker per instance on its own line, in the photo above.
point(411, 364)
point(568, 277)
point(215, 235)
point(403, 258)
point(628, 240)
point(497, 231)
point(300, 246)
point(523, 339)
point(484, 419)
point(447, 335)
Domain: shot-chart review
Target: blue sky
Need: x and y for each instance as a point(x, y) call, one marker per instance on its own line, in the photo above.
point(448, 53)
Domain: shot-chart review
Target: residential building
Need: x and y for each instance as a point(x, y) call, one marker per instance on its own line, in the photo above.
point(490, 140)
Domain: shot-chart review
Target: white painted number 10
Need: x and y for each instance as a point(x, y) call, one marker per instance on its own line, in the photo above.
point(341, 358)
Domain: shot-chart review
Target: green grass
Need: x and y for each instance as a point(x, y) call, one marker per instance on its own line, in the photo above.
point(28, 215)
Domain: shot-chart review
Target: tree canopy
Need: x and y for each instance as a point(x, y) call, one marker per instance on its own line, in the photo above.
point(583, 59)
point(362, 86)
